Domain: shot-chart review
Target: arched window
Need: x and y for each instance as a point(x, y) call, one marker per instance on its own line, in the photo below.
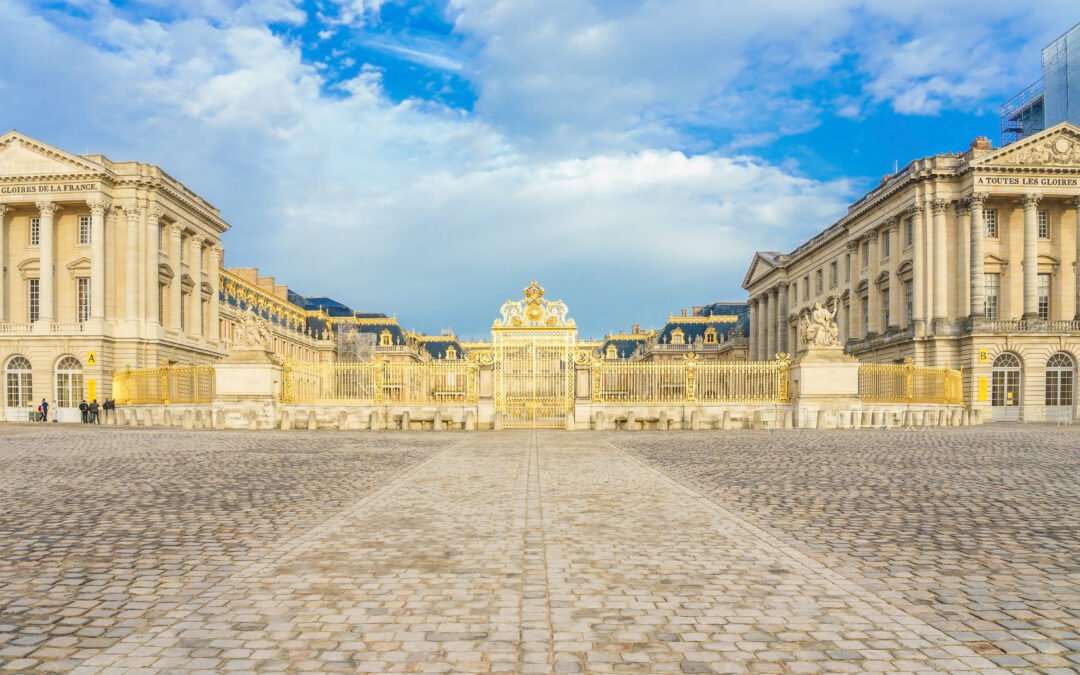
point(451, 352)
point(384, 338)
point(19, 381)
point(1005, 389)
point(69, 382)
point(678, 337)
point(611, 352)
point(1060, 376)
point(710, 335)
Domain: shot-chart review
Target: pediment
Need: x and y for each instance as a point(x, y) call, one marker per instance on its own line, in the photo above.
point(79, 264)
point(1057, 146)
point(21, 155)
point(763, 263)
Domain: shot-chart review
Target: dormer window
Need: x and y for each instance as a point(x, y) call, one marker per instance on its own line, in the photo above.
point(710, 335)
point(451, 352)
point(612, 352)
point(385, 338)
point(677, 337)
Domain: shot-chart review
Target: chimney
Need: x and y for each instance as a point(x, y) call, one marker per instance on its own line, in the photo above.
point(685, 312)
point(981, 143)
point(635, 329)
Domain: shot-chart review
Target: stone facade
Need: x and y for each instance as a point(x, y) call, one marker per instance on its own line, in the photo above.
point(965, 260)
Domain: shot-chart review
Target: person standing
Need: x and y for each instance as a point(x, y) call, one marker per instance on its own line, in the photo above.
point(109, 406)
point(44, 410)
point(84, 411)
point(94, 410)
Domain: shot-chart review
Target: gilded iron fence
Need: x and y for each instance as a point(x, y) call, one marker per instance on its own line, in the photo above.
point(380, 381)
point(690, 381)
point(908, 383)
point(167, 384)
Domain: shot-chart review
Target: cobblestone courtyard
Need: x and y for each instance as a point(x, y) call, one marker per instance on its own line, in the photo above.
point(133, 550)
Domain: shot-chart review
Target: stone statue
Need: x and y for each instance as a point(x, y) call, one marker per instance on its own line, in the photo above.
point(252, 332)
point(818, 328)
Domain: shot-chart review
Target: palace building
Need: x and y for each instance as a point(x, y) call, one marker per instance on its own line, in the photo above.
point(961, 260)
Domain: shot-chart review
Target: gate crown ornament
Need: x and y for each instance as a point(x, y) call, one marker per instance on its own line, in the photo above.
point(534, 311)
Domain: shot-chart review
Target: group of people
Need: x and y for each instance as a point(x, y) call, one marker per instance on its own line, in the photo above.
point(90, 412)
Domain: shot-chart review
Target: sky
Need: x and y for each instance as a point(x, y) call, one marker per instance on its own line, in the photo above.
point(429, 159)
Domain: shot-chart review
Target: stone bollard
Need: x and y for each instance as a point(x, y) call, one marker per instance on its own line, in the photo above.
point(406, 421)
point(286, 420)
point(220, 420)
point(822, 421)
point(630, 422)
point(788, 419)
point(662, 422)
point(253, 420)
point(343, 420)
point(312, 421)
point(187, 420)
point(470, 420)
point(695, 421)
point(965, 417)
point(598, 421)
point(496, 422)
point(166, 418)
point(373, 420)
point(958, 418)
point(436, 422)
point(725, 420)
point(570, 421)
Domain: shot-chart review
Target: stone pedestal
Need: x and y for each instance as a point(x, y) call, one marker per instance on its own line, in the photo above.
point(247, 385)
point(825, 378)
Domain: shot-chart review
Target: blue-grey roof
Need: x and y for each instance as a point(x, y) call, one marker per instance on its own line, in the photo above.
point(437, 347)
point(624, 347)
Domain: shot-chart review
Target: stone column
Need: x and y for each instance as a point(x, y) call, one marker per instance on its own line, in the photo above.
point(153, 257)
point(196, 293)
point(896, 290)
point(977, 308)
point(1031, 259)
point(962, 293)
point(132, 215)
point(873, 295)
point(1075, 202)
point(782, 309)
point(174, 284)
point(853, 283)
point(98, 207)
point(3, 214)
point(46, 287)
point(754, 328)
point(774, 323)
point(941, 260)
point(918, 288)
point(766, 329)
point(213, 274)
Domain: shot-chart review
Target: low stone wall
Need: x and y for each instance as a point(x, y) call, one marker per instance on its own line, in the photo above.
point(254, 415)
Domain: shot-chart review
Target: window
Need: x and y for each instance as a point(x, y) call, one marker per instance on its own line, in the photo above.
point(832, 275)
point(885, 308)
point(69, 382)
point(20, 382)
point(161, 304)
point(33, 299)
point(183, 242)
point(451, 352)
point(866, 254)
point(1059, 382)
point(710, 335)
point(806, 287)
point(678, 337)
point(183, 311)
point(993, 287)
point(84, 230)
point(1044, 296)
point(161, 238)
point(611, 352)
point(886, 244)
point(82, 288)
point(991, 221)
point(1044, 224)
point(384, 338)
point(909, 232)
point(909, 299)
point(847, 268)
point(863, 300)
point(819, 281)
point(35, 231)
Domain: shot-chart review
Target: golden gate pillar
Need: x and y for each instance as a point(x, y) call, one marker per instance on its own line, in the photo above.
point(533, 346)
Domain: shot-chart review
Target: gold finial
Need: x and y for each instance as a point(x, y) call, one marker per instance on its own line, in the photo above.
point(534, 292)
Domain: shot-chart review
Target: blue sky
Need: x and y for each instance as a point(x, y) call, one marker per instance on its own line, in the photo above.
point(430, 158)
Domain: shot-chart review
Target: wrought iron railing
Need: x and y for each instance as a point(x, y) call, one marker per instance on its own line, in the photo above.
point(168, 384)
point(380, 381)
point(908, 383)
point(689, 381)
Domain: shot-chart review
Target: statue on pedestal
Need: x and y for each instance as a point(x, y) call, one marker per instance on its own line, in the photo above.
point(818, 328)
